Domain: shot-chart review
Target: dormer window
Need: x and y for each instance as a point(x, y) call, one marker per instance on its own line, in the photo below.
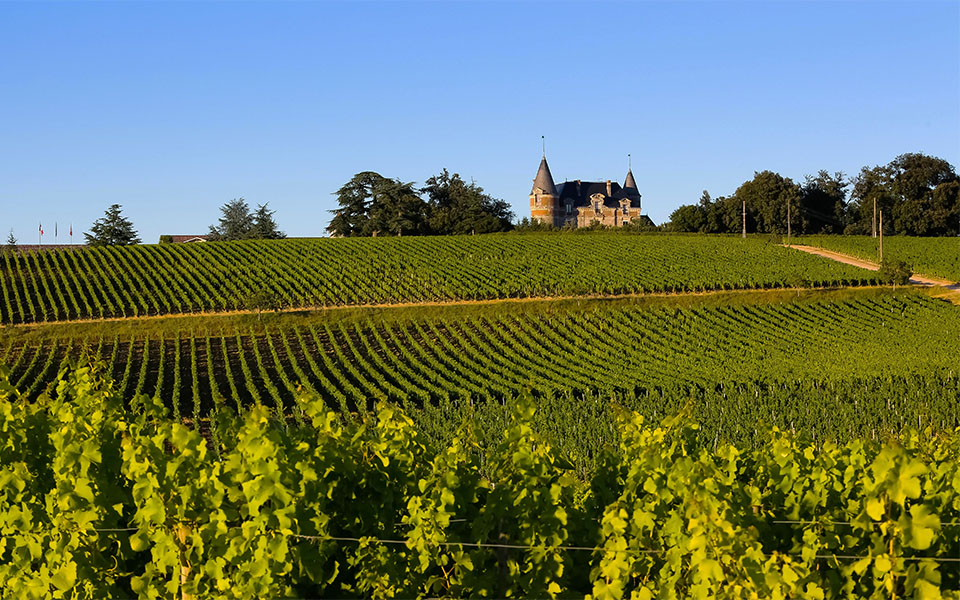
point(597, 201)
point(569, 207)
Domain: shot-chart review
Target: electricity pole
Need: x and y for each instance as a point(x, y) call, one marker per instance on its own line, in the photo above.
point(881, 236)
point(874, 216)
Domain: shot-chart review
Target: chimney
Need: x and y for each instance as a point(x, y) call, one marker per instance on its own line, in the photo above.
point(578, 187)
point(609, 191)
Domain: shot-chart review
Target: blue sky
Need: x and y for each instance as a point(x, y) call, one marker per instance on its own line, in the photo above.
point(172, 109)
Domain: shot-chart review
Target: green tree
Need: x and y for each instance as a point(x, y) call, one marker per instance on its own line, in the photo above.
point(112, 230)
point(896, 272)
point(11, 241)
point(371, 205)
point(396, 209)
point(767, 196)
point(458, 207)
point(264, 227)
point(691, 218)
point(355, 198)
point(262, 300)
point(917, 194)
point(823, 206)
point(236, 223)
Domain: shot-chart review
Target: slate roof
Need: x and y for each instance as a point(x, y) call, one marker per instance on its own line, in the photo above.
point(544, 179)
point(580, 193)
point(630, 181)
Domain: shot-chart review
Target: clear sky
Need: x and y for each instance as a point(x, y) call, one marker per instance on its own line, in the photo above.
point(172, 109)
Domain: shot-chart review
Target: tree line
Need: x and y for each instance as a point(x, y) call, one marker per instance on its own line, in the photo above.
point(918, 194)
point(371, 204)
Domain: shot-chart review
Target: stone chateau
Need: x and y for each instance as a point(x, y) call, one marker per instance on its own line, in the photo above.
point(581, 203)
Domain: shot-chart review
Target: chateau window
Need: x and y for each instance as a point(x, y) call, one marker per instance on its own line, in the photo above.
point(536, 199)
point(569, 208)
point(596, 206)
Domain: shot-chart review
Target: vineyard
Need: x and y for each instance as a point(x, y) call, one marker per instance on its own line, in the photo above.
point(102, 503)
point(792, 443)
point(740, 365)
point(188, 278)
point(937, 257)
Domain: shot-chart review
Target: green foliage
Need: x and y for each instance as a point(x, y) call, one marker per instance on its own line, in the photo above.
point(95, 502)
point(373, 205)
point(238, 222)
point(895, 272)
point(112, 229)
point(262, 300)
point(918, 194)
point(736, 366)
point(458, 208)
point(186, 278)
point(11, 242)
point(166, 239)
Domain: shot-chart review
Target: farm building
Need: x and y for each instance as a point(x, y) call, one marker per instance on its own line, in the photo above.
point(582, 203)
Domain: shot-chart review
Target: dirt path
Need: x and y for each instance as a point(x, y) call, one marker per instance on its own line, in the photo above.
point(952, 290)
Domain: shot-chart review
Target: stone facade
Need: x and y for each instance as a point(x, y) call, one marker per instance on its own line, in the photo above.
point(582, 203)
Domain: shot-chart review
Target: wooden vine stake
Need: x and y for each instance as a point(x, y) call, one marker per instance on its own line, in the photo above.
point(183, 531)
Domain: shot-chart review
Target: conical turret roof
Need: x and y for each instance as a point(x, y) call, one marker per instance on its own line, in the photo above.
point(630, 182)
point(544, 179)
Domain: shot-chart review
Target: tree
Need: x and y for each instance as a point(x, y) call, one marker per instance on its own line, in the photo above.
point(371, 205)
point(262, 300)
point(11, 242)
point(112, 230)
point(823, 206)
point(722, 215)
point(895, 272)
point(767, 196)
point(395, 209)
point(691, 218)
point(917, 194)
point(264, 227)
point(237, 222)
point(457, 207)
point(355, 198)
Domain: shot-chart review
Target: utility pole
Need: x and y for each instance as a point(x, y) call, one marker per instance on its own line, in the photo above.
point(881, 236)
point(874, 216)
point(744, 219)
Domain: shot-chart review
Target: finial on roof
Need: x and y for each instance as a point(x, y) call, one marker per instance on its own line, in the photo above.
point(543, 142)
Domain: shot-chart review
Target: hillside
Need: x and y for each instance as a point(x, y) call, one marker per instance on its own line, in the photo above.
point(223, 276)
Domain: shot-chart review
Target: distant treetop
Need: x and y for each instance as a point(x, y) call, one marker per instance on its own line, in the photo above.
point(112, 230)
point(239, 223)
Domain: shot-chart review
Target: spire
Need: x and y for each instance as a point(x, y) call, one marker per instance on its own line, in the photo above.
point(630, 182)
point(544, 179)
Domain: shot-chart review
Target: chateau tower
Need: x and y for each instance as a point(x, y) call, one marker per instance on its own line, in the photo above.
point(543, 196)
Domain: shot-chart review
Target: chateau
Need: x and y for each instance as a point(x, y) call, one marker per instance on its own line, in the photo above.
point(581, 203)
